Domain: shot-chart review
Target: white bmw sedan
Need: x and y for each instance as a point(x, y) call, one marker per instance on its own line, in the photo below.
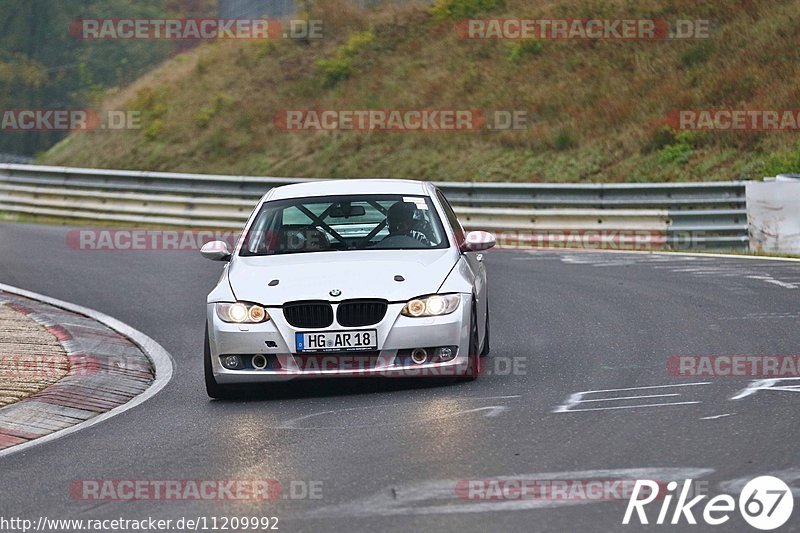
point(348, 278)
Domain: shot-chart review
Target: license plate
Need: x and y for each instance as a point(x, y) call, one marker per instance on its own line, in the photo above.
point(333, 341)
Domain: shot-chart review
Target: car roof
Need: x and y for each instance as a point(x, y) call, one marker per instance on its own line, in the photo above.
point(347, 186)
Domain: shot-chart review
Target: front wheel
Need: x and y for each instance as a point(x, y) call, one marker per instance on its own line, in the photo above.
point(486, 348)
point(475, 365)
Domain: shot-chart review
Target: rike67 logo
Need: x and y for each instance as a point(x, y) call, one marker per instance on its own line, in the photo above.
point(765, 503)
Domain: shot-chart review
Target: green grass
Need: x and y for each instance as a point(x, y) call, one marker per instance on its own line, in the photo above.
point(595, 109)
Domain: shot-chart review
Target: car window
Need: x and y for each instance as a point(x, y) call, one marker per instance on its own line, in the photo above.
point(452, 218)
point(353, 222)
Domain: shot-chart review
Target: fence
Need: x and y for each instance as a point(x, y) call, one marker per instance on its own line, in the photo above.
point(686, 215)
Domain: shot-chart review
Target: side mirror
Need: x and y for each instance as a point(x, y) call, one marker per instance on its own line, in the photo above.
point(477, 241)
point(216, 251)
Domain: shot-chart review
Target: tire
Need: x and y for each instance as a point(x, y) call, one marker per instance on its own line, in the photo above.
point(213, 389)
point(475, 365)
point(486, 347)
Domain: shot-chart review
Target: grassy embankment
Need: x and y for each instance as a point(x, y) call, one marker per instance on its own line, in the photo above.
point(597, 107)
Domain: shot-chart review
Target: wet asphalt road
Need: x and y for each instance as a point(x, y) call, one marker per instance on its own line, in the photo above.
point(389, 455)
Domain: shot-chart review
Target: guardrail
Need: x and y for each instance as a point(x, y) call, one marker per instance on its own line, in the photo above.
point(688, 215)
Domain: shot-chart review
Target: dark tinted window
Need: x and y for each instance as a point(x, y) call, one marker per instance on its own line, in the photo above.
point(452, 219)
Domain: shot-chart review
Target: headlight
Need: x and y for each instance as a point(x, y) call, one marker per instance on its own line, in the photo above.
point(241, 313)
point(434, 305)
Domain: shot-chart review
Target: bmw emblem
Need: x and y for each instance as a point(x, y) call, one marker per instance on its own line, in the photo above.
point(335, 292)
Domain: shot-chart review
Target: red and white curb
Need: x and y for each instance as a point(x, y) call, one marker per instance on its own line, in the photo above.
point(113, 368)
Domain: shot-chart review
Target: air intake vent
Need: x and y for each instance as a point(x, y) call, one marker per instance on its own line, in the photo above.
point(308, 314)
point(354, 313)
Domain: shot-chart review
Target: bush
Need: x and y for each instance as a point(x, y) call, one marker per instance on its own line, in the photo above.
point(206, 114)
point(463, 9)
point(335, 70)
point(564, 141)
point(152, 102)
point(154, 130)
point(680, 151)
point(786, 163)
point(524, 48)
point(675, 153)
point(356, 42)
point(697, 54)
point(340, 67)
point(663, 136)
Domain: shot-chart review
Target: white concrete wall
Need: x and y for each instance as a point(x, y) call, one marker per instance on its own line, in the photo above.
point(773, 214)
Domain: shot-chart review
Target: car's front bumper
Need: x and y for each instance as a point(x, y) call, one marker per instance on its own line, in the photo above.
point(396, 333)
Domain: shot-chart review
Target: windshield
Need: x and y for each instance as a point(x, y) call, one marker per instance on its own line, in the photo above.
point(351, 222)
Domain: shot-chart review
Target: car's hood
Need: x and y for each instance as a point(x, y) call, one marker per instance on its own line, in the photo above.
point(357, 274)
